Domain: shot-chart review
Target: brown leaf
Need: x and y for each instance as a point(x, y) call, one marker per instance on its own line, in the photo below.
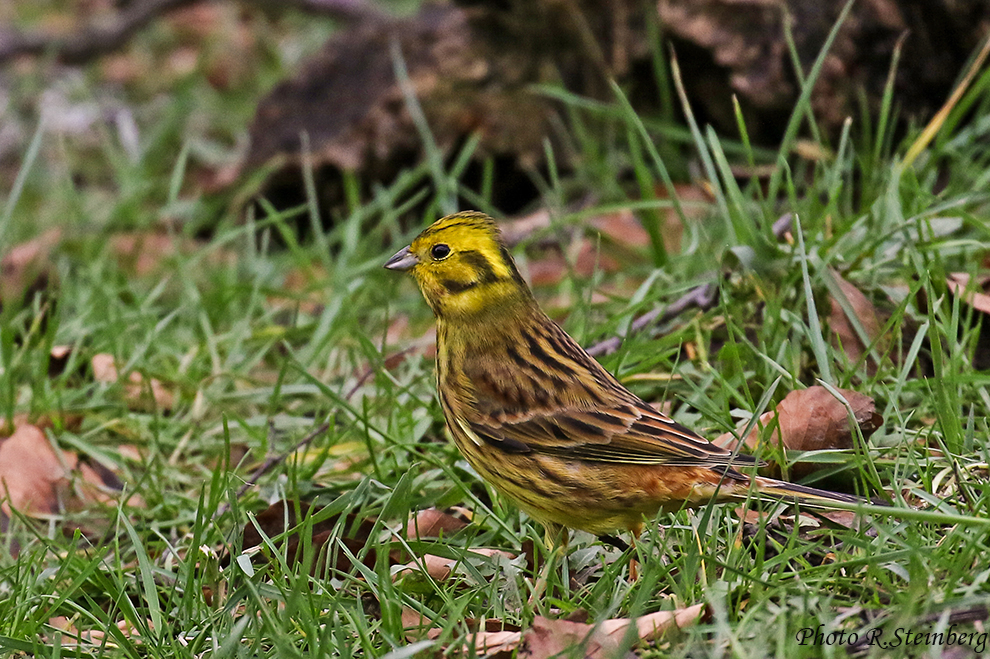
point(37, 480)
point(441, 568)
point(145, 253)
point(844, 335)
point(496, 643)
point(813, 419)
point(552, 266)
point(154, 252)
point(548, 269)
point(695, 201)
point(56, 420)
point(27, 267)
point(552, 638)
point(959, 284)
point(33, 477)
point(418, 626)
point(977, 295)
point(520, 228)
point(136, 389)
point(622, 228)
point(433, 523)
point(654, 625)
point(437, 567)
point(303, 288)
point(556, 638)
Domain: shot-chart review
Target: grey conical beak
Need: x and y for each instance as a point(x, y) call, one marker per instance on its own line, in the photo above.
point(403, 260)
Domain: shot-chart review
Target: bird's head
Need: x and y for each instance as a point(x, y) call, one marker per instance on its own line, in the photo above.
point(463, 267)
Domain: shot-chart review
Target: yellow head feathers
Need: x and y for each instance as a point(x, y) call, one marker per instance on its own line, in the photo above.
point(463, 267)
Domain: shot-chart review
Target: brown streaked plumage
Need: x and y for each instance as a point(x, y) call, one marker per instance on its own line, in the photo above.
point(539, 418)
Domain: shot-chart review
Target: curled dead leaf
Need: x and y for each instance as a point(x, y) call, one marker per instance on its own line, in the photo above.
point(45, 421)
point(654, 625)
point(813, 419)
point(441, 568)
point(433, 523)
point(33, 478)
point(977, 295)
point(417, 626)
point(304, 288)
point(551, 638)
point(844, 334)
point(37, 479)
point(138, 392)
point(437, 567)
point(147, 253)
point(516, 230)
point(622, 228)
point(491, 633)
point(556, 638)
point(27, 267)
point(586, 255)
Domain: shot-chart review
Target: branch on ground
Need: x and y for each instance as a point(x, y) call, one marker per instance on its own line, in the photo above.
point(702, 297)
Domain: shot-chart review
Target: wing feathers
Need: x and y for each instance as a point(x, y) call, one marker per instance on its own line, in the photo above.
point(625, 434)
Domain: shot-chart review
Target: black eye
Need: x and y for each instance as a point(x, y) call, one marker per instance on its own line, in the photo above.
point(440, 251)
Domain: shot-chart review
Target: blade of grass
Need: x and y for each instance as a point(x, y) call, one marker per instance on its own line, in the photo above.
point(935, 125)
point(814, 333)
point(803, 103)
point(18, 188)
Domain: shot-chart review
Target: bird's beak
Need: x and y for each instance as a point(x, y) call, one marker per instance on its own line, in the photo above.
point(403, 260)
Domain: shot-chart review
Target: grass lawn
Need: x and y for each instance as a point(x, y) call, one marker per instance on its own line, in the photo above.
point(255, 339)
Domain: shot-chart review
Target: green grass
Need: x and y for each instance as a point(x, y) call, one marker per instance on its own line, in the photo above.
point(253, 377)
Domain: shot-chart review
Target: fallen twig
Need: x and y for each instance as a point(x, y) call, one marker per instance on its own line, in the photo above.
point(702, 297)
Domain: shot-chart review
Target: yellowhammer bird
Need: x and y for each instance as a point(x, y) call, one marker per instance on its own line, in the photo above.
point(539, 418)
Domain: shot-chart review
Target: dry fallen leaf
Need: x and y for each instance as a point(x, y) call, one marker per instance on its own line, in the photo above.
point(33, 478)
point(813, 419)
point(433, 523)
point(153, 252)
point(622, 228)
point(57, 420)
point(979, 299)
point(304, 288)
point(144, 253)
point(441, 568)
point(551, 267)
point(959, 282)
point(136, 389)
point(695, 202)
point(844, 335)
point(552, 638)
point(495, 633)
point(520, 228)
point(27, 266)
point(557, 638)
point(38, 480)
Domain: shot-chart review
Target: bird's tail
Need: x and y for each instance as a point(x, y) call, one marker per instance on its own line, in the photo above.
point(775, 489)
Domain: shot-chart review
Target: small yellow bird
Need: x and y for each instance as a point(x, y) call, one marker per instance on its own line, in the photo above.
point(539, 418)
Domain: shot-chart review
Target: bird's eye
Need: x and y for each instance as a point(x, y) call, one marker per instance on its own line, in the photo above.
point(440, 251)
